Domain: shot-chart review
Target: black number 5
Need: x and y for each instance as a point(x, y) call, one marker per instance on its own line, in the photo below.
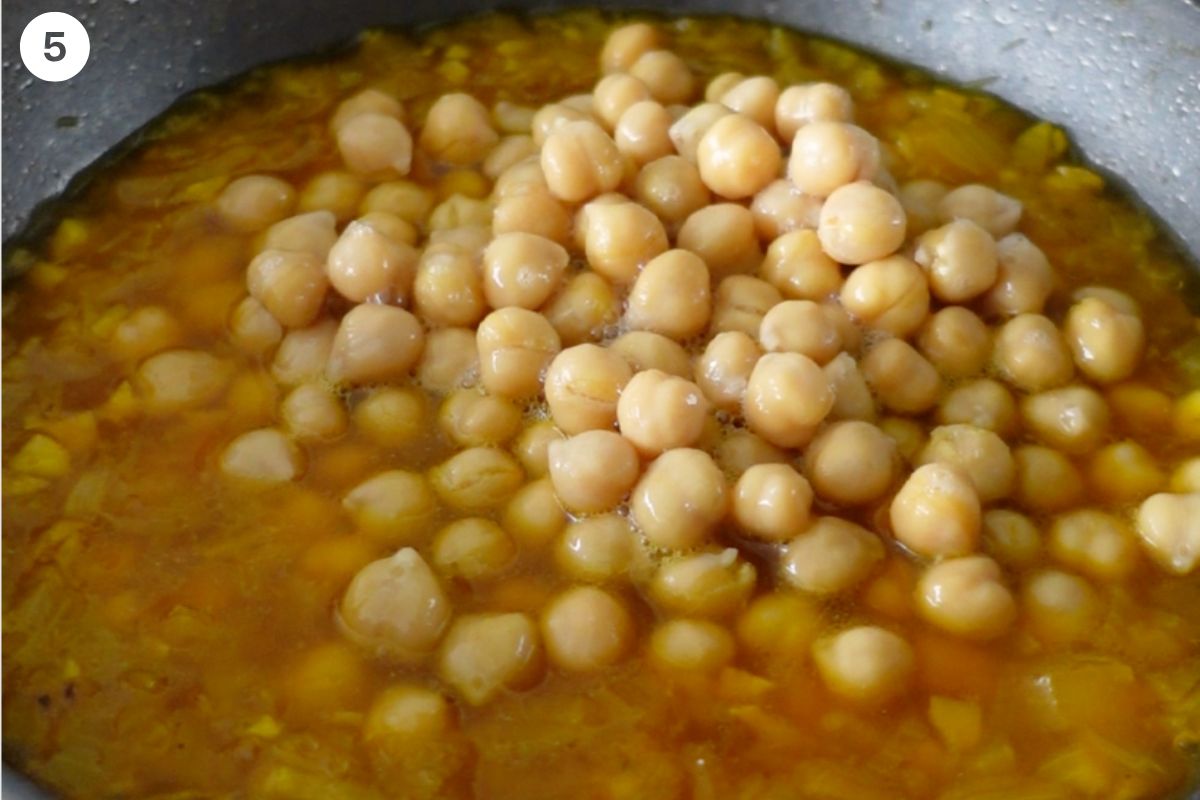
point(55, 51)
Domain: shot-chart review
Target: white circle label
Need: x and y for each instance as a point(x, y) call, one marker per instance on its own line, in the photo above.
point(55, 46)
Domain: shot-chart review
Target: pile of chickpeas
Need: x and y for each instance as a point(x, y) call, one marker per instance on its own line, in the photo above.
point(706, 348)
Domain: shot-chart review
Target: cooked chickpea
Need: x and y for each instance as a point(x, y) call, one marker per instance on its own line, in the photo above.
point(303, 353)
point(339, 193)
point(1024, 278)
point(532, 447)
point(253, 328)
point(936, 512)
point(262, 456)
point(755, 97)
point(851, 463)
point(798, 106)
point(956, 341)
point(583, 309)
point(833, 555)
point(908, 434)
point(522, 269)
point(1031, 354)
point(984, 403)
point(477, 478)
point(515, 345)
point(375, 343)
point(737, 157)
point(472, 548)
point(457, 130)
point(719, 85)
point(852, 397)
point(177, 380)
point(392, 506)
point(642, 132)
point(508, 151)
point(620, 237)
point(680, 499)
point(1167, 526)
point(780, 208)
point(800, 326)
point(706, 584)
point(253, 202)
point(666, 76)
point(586, 628)
point(658, 411)
point(613, 96)
point(407, 200)
point(827, 155)
point(581, 161)
point(592, 471)
point(670, 296)
point(312, 232)
point(152, 329)
point(671, 187)
point(373, 144)
point(407, 712)
point(966, 597)
point(484, 654)
point(1097, 544)
point(449, 361)
point(1106, 341)
point(796, 265)
point(978, 452)
point(902, 379)
point(1125, 472)
point(771, 502)
point(960, 260)
point(596, 549)
point(996, 213)
point(391, 417)
point(866, 664)
point(786, 398)
point(1011, 538)
point(1074, 419)
point(368, 101)
point(626, 44)
point(1186, 476)
point(582, 386)
point(1046, 479)
point(312, 412)
point(646, 350)
point(533, 515)
point(458, 212)
point(396, 605)
point(920, 199)
point(891, 295)
point(860, 222)
point(290, 285)
point(473, 419)
point(552, 116)
point(366, 264)
point(723, 235)
point(1059, 607)
point(448, 288)
point(740, 450)
point(690, 645)
point(723, 370)
point(740, 304)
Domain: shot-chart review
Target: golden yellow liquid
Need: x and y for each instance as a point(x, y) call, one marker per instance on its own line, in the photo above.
point(169, 635)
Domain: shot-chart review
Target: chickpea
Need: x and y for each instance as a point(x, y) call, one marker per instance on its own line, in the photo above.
point(921, 199)
point(658, 411)
point(796, 265)
point(448, 288)
point(740, 450)
point(532, 447)
point(827, 155)
point(1047, 480)
point(1167, 526)
point(368, 101)
point(909, 436)
point(902, 379)
point(395, 605)
point(671, 187)
point(511, 117)
point(984, 403)
point(1125, 472)
point(771, 502)
point(851, 463)
point(339, 193)
point(1011, 538)
point(670, 296)
point(1031, 354)
point(690, 645)
point(254, 202)
point(642, 132)
point(956, 342)
point(779, 626)
point(801, 105)
point(177, 380)
point(741, 303)
point(832, 556)
point(966, 597)
point(391, 417)
point(936, 512)
point(626, 44)
point(510, 150)
point(706, 584)
point(586, 628)
point(583, 309)
point(723, 371)
point(1186, 477)
point(515, 345)
point(1060, 608)
point(263, 456)
point(312, 232)
point(723, 235)
point(290, 285)
point(666, 76)
point(646, 350)
point(476, 479)
point(534, 516)
point(581, 161)
point(614, 94)
point(582, 385)
point(800, 326)
point(754, 97)
point(522, 269)
point(484, 654)
point(406, 712)
point(553, 116)
point(312, 413)
point(977, 451)
point(471, 418)
point(787, 397)
point(780, 208)
point(859, 223)
point(996, 213)
point(960, 259)
point(592, 471)
point(407, 200)
point(1106, 341)
point(472, 548)
point(737, 157)
point(596, 549)
point(1099, 545)
point(457, 130)
point(680, 499)
point(890, 295)
point(620, 237)
point(718, 86)
point(458, 212)
point(392, 506)
point(303, 353)
point(1074, 419)
point(449, 361)
point(375, 343)
point(251, 326)
point(152, 329)
point(865, 664)
point(373, 144)
point(852, 397)
point(365, 264)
